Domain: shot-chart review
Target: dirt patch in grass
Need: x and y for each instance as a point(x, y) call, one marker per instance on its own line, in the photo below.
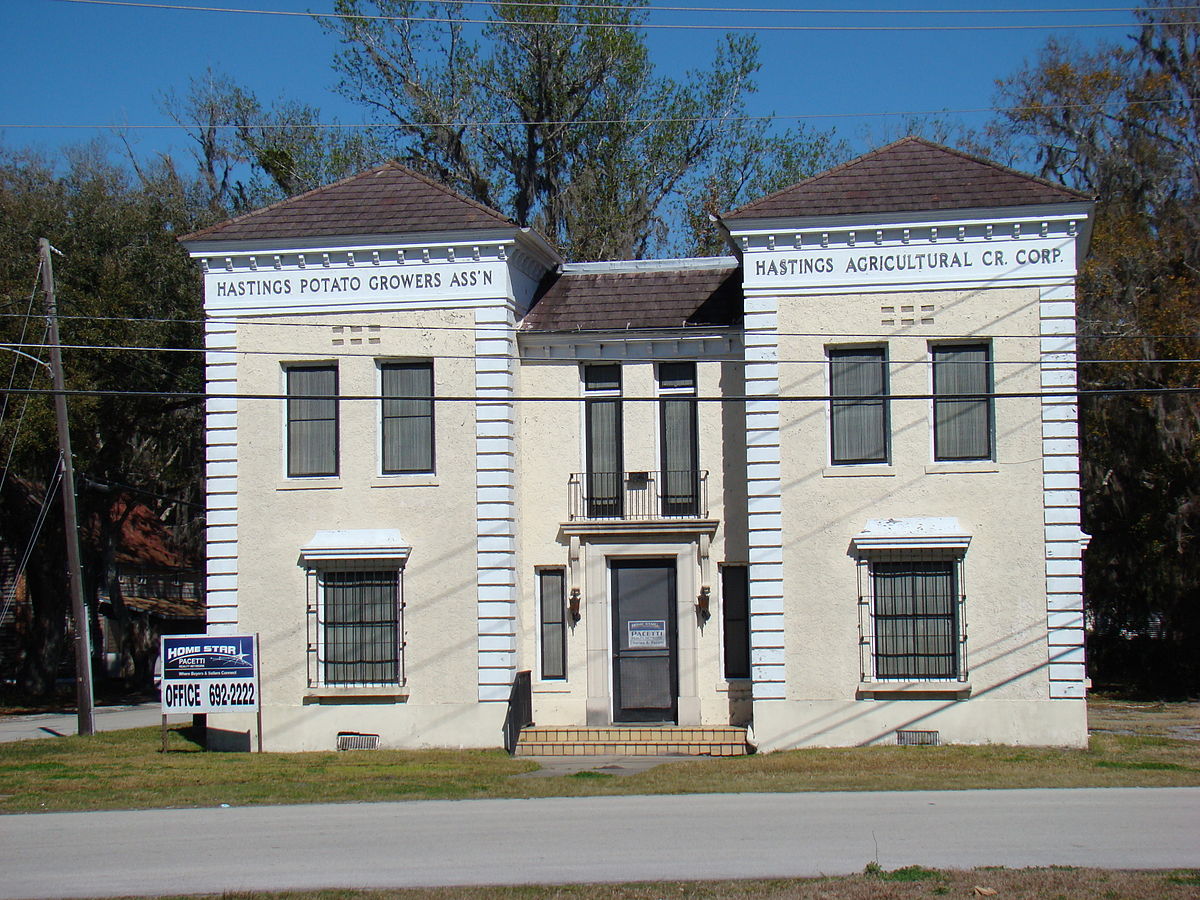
point(909, 882)
point(1173, 721)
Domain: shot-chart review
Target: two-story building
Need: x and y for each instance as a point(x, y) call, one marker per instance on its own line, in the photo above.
point(825, 488)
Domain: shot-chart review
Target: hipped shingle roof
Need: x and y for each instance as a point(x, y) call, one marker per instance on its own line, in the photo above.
point(910, 175)
point(388, 199)
point(613, 301)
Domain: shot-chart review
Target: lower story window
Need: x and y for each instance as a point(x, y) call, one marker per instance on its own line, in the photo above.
point(356, 633)
point(913, 628)
point(552, 597)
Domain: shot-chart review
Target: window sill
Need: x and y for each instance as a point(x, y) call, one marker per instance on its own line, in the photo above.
point(331, 696)
point(914, 689)
point(310, 484)
point(551, 687)
point(405, 480)
point(981, 466)
point(863, 471)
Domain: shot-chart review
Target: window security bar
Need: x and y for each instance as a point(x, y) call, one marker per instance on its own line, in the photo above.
point(355, 627)
point(638, 496)
point(912, 617)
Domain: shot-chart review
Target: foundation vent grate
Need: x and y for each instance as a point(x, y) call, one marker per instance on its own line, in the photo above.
point(918, 738)
point(352, 740)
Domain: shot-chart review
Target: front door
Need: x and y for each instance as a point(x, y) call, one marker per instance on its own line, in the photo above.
point(645, 667)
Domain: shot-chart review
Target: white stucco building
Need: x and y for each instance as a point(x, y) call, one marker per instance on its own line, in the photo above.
point(826, 487)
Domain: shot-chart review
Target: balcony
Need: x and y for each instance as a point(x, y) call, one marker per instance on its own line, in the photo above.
point(637, 496)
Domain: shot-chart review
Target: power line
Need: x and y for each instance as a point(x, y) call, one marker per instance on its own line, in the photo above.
point(627, 25)
point(35, 532)
point(1065, 395)
point(670, 120)
point(618, 7)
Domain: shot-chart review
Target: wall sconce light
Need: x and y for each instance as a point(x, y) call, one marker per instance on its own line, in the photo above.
point(573, 605)
point(702, 610)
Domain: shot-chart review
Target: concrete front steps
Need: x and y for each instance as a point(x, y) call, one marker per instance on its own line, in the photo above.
point(632, 740)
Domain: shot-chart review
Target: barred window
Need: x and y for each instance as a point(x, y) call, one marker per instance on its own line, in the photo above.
point(357, 633)
point(916, 619)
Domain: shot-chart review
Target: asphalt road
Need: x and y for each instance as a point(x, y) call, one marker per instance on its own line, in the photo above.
point(589, 839)
point(107, 718)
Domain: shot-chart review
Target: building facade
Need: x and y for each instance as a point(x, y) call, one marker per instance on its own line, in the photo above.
point(825, 487)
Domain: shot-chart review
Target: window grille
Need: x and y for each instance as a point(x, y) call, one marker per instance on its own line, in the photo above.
point(355, 625)
point(858, 412)
point(912, 616)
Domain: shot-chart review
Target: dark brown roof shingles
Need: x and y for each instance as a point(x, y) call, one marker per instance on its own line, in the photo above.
point(648, 298)
point(388, 199)
point(907, 176)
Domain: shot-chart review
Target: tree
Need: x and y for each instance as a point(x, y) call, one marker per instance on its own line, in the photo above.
point(249, 155)
point(123, 283)
point(555, 116)
point(1122, 122)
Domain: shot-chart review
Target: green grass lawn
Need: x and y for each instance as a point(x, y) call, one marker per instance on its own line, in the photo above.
point(1131, 746)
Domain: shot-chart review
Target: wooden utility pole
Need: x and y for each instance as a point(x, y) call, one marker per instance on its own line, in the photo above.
point(83, 642)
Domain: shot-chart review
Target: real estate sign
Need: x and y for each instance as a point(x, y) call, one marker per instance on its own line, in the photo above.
point(203, 673)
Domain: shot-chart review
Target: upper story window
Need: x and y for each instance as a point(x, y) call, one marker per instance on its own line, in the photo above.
point(858, 414)
point(963, 412)
point(312, 420)
point(603, 438)
point(406, 417)
point(679, 439)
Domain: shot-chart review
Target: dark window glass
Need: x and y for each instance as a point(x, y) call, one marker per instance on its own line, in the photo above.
point(552, 594)
point(605, 453)
point(916, 620)
point(679, 441)
point(735, 611)
point(962, 424)
point(407, 417)
point(858, 411)
point(312, 420)
point(360, 630)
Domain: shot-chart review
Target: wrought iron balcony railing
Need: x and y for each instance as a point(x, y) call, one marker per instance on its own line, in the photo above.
point(638, 496)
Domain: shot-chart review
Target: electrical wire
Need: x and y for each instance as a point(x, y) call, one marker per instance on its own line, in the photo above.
point(668, 120)
point(35, 532)
point(379, 350)
point(24, 328)
point(618, 7)
point(1051, 395)
point(624, 25)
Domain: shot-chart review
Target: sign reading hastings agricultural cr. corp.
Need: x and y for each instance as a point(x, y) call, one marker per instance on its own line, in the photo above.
point(867, 266)
point(204, 673)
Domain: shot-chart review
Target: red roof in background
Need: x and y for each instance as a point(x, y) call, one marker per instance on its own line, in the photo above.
point(388, 199)
point(909, 175)
point(144, 541)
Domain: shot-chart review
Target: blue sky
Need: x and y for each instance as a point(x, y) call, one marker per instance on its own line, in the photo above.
point(83, 64)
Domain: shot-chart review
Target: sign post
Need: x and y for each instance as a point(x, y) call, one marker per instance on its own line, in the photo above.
point(204, 673)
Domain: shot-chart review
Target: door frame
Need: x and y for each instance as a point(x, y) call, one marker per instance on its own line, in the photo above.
point(670, 563)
